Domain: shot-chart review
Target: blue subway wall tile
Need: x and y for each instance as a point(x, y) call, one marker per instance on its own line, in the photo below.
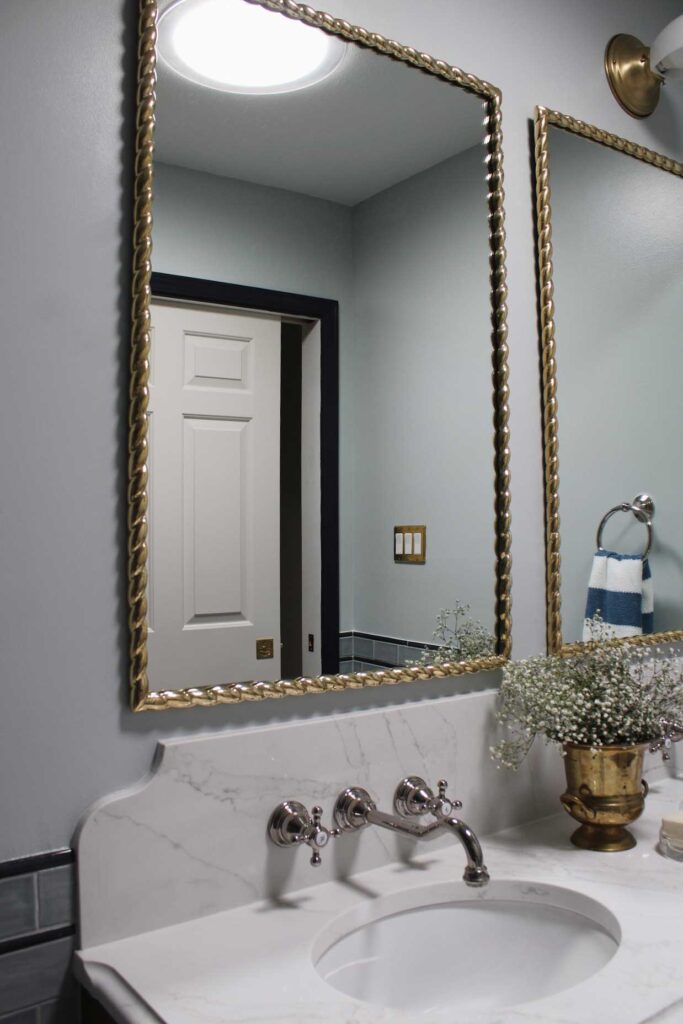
point(17, 906)
point(386, 653)
point(345, 646)
point(36, 975)
point(56, 905)
point(363, 648)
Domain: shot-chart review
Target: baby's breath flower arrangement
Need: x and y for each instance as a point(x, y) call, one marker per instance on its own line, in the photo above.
point(606, 695)
point(458, 638)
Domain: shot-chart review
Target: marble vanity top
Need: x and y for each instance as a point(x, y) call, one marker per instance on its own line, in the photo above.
point(253, 963)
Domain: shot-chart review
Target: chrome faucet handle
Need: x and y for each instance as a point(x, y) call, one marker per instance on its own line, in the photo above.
point(414, 797)
point(290, 824)
point(318, 836)
point(444, 806)
point(672, 732)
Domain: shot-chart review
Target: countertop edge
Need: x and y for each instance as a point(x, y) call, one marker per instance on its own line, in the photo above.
point(120, 1001)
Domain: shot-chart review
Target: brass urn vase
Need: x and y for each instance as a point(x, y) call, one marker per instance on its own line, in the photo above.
point(605, 792)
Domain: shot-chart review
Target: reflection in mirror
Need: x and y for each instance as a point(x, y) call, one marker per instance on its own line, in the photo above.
point(617, 242)
point(322, 481)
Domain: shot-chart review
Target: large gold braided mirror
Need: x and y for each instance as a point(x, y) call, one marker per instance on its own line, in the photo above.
point(319, 483)
point(611, 302)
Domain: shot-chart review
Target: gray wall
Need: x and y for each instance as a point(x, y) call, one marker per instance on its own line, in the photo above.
point(422, 312)
point(67, 736)
point(618, 244)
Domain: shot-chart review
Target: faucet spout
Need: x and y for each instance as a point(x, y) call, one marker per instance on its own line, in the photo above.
point(475, 872)
point(355, 809)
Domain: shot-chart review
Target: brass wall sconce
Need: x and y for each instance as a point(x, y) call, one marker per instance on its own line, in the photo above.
point(636, 72)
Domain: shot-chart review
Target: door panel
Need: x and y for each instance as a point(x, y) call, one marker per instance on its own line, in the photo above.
point(214, 510)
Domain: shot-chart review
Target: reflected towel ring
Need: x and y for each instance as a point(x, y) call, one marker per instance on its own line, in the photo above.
point(643, 508)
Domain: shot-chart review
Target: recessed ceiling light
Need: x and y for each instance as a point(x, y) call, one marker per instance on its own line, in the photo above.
point(236, 46)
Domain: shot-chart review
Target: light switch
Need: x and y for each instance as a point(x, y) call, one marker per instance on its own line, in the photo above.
point(410, 544)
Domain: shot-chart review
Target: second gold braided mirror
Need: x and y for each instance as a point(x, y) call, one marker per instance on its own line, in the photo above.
point(610, 248)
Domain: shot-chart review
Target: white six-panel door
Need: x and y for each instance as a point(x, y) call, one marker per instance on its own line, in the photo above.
point(214, 495)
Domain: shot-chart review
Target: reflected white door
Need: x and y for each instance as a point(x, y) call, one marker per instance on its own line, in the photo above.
point(214, 496)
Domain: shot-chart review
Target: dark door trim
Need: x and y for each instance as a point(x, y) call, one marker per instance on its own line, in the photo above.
point(192, 289)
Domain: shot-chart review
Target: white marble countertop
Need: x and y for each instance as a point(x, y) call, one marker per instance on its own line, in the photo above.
point(254, 963)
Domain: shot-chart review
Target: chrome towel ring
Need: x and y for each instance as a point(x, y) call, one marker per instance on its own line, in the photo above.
point(643, 508)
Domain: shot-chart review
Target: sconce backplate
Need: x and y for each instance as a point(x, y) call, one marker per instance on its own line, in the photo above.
point(634, 84)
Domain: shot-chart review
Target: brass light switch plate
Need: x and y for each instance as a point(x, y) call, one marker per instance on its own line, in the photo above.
point(265, 648)
point(410, 544)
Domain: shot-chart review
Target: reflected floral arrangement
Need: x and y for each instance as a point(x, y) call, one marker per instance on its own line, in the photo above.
point(458, 637)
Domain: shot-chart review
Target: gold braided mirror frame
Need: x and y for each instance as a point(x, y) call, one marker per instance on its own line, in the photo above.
point(544, 118)
point(141, 697)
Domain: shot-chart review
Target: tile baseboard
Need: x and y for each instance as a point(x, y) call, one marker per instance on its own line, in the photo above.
point(377, 651)
point(37, 929)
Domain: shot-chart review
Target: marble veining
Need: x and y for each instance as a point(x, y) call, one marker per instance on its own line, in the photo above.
point(190, 840)
point(256, 962)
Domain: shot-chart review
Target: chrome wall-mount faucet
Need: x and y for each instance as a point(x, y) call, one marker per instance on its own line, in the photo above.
point(291, 824)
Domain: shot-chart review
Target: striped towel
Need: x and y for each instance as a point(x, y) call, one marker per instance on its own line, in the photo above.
point(620, 589)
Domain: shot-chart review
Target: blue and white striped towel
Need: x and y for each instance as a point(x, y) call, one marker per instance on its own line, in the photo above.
point(620, 588)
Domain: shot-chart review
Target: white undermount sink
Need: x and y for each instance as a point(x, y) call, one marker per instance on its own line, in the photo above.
point(478, 949)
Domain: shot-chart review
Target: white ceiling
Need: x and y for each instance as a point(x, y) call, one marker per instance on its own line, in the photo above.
point(372, 123)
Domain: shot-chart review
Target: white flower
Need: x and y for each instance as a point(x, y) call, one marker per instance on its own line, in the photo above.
point(458, 638)
point(607, 694)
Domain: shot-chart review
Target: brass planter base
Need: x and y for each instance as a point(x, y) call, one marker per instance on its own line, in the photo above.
point(605, 792)
point(603, 838)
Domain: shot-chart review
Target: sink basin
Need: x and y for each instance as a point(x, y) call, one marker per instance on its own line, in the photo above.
point(478, 949)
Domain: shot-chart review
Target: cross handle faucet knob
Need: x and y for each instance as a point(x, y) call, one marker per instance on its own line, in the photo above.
point(441, 804)
point(318, 835)
point(291, 824)
point(414, 797)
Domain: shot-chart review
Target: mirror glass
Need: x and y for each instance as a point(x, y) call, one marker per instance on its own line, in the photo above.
point(617, 228)
point(321, 401)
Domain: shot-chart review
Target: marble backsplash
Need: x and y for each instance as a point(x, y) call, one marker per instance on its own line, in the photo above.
point(190, 839)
